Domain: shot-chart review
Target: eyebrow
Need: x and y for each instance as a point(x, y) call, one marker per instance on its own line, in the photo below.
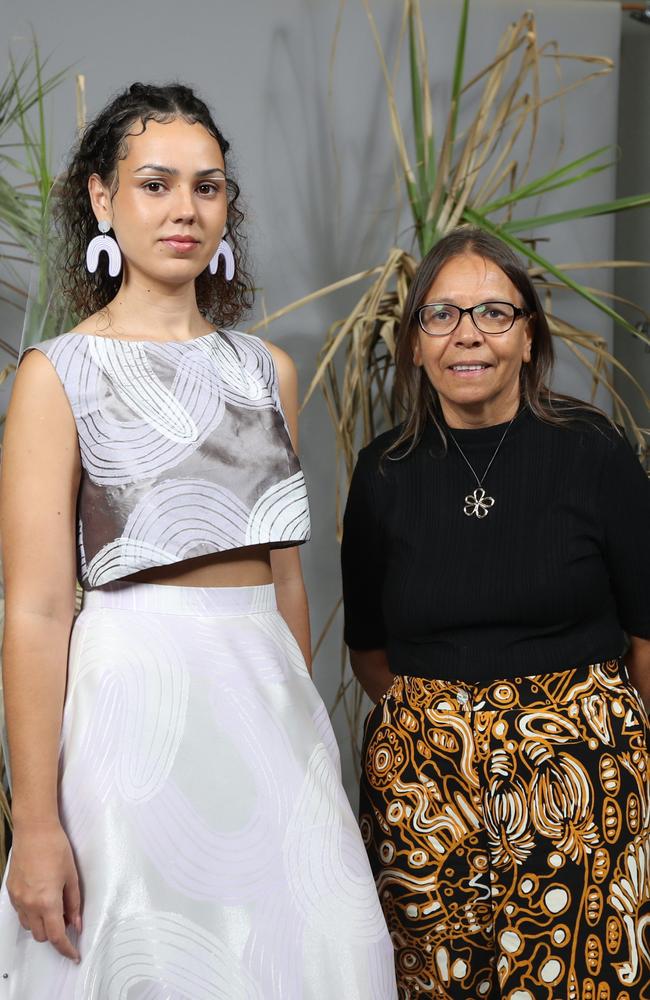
point(173, 172)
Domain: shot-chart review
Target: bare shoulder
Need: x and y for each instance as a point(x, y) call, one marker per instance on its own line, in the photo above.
point(36, 373)
point(95, 324)
point(38, 396)
point(284, 363)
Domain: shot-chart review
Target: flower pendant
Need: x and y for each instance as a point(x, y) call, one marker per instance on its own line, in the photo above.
point(478, 503)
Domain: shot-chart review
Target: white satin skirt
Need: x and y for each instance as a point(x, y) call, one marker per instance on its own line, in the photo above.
point(200, 788)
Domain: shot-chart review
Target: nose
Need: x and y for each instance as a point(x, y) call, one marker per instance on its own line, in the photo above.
point(182, 207)
point(466, 334)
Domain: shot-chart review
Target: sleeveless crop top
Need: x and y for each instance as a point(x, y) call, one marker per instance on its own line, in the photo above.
point(184, 450)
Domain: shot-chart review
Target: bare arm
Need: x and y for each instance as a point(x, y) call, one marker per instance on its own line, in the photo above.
point(285, 563)
point(370, 667)
point(38, 489)
point(291, 597)
point(637, 661)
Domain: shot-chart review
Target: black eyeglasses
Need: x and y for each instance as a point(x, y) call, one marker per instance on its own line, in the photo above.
point(438, 319)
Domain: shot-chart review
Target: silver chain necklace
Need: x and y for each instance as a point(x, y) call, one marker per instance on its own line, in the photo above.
point(478, 503)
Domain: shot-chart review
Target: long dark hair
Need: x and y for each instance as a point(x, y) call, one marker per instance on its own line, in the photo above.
point(102, 144)
point(414, 393)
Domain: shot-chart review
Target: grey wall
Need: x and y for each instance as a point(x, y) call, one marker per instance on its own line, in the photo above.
point(633, 228)
point(317, 215)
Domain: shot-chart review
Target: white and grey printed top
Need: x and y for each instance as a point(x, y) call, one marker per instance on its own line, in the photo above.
point(184, 450)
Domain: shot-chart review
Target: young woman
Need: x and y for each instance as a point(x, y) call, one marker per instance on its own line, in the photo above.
point(496, 549)
point(180, 830)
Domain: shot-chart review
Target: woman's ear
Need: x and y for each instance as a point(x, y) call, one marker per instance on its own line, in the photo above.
point(100, 198)
point(417, 352)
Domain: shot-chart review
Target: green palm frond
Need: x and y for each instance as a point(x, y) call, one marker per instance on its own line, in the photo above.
point(25, 222)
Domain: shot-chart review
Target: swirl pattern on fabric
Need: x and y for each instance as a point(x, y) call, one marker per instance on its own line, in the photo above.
point(200, 789)
point(184, 449)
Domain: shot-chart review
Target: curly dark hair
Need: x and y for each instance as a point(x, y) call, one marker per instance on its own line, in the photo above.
point(100, 147)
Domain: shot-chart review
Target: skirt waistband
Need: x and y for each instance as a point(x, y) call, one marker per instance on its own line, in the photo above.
point(207, 601)
point(533, 692)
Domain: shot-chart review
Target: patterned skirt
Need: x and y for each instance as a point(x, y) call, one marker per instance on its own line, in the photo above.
point(508, 827)
point(218, 855)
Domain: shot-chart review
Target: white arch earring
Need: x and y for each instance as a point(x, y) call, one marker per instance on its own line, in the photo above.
point(109, 246)
point(223, 250)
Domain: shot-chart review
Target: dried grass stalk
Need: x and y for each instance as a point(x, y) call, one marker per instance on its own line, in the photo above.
point(474, 178)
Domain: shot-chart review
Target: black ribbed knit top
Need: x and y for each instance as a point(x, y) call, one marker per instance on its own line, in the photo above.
point(550, 579)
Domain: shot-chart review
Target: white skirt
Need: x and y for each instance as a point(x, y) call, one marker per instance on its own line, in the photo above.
point(200, 788)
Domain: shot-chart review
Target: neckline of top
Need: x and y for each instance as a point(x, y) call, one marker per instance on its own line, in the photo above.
point(130, 340)
point(485, 435)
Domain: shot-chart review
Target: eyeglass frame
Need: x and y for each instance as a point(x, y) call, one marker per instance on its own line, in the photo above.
point(518, 313)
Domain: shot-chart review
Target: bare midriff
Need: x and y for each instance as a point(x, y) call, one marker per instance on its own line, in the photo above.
point(247, 567)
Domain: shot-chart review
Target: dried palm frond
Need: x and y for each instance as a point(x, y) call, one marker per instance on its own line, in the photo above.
point(472, 179)
point(475, 177)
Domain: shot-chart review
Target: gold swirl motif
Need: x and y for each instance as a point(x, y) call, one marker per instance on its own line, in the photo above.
point(548, 726)
point(560, 805)
point(505, 812)
point(630, 896)
point(386, 758)
point(503, 694)
point(596, 712)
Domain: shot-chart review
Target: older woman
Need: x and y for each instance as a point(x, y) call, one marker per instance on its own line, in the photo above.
point(496, 554)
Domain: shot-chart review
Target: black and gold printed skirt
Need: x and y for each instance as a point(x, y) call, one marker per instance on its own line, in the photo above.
point(508, 828)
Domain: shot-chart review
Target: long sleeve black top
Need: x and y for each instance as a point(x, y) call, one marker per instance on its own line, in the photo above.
point(550, 579)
